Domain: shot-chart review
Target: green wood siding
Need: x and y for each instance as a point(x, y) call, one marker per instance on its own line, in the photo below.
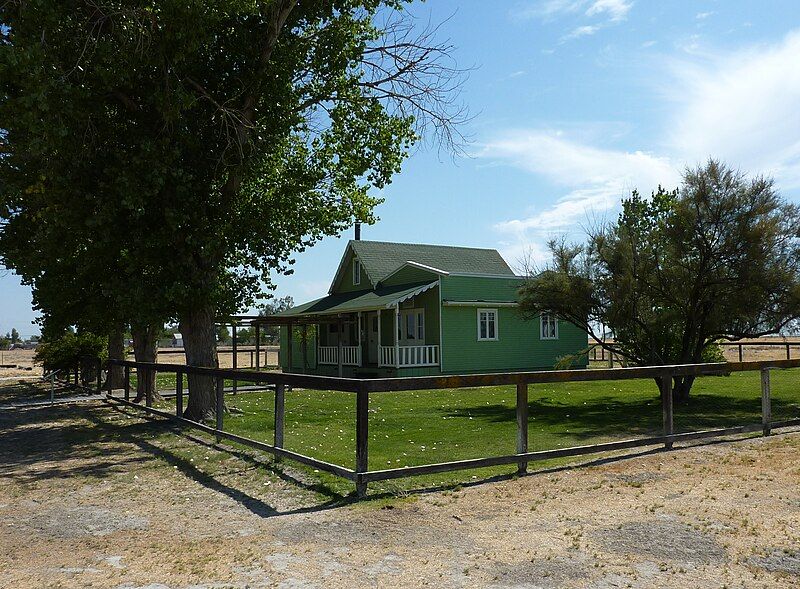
point(345, 283)
point(410, 275)
point(475, 288)
point(518, 346)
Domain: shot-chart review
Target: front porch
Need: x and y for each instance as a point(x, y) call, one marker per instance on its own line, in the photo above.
point(379, 338)
point(389, 331)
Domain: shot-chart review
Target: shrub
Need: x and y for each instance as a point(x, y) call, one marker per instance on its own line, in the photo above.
point(68, 350)
point(713, 353)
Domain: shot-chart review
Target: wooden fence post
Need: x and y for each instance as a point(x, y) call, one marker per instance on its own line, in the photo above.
point(179, 394)
point(109, 390)
point(280, 409)
point(235, 359)
point(740, 352)
point(127, 383)
point(666, 408)
point(522, 425)
point(362, 440)
point(766, 403)
point(220, 406)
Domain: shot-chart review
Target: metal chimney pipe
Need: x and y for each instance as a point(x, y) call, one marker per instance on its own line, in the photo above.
point(357, 231)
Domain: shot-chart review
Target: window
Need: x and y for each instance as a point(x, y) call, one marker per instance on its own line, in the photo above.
point(487, 325)
point(412, 325)
point(549, 326)
point(356, 272)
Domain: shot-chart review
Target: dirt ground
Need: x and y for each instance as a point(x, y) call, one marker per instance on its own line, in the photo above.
point(92, 496)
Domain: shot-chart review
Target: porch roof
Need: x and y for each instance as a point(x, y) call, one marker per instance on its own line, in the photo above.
point(362, 300)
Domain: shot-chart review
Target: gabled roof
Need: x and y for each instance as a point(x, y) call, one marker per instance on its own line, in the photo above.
point(379, 259)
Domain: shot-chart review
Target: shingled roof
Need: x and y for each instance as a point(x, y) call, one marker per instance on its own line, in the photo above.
point(380, 258)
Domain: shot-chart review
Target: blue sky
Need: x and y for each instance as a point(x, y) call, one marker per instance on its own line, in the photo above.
point(577, 102)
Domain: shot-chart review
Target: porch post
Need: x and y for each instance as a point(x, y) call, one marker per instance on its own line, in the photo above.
point(380, 343)
point(358, 337)
point(339, 330)
point(290, 338)
point(397, 335)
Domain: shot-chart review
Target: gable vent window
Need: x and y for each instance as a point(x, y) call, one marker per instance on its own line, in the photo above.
point(356, 272)
point(549, 326)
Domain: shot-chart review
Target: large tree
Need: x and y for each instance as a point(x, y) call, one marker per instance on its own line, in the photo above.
point(716, 259)
point(239, 133)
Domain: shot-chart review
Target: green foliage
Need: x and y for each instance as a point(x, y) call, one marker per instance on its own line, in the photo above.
point(718, 258)
point(14, 337)
point(713, 353)
point(187, 189)
point(69, 349)
point(223, 335)
point(272, 306)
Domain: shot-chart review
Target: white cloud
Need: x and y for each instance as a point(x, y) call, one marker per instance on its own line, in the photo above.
point(583, 31)
point(616, 10)
point(595, 178)
point(741, 108)
point(703, 15)
point(612, 10)
point(546, 9)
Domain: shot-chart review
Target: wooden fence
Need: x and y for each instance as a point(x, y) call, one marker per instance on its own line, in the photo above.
point(597, 353)
point(363, 388)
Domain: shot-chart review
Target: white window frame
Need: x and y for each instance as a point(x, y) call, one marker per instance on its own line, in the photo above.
point(496, 315)
point(419, 326)
point(356, 272)
point(542, 334)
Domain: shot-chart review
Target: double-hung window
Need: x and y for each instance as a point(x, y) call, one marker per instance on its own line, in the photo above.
point(548, 326)
point(356, 272)
point(487, 325)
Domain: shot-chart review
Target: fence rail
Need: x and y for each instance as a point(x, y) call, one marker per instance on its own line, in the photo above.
point(598, 353)
point(362, 388)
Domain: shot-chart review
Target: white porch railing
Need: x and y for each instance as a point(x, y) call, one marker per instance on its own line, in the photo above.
point(409, 356)
point(351, 355)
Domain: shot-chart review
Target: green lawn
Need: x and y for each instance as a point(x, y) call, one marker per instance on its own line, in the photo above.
point(167, 380)
point(420, 427)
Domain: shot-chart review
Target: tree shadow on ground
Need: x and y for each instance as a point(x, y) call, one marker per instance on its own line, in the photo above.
point(34, 391)
point(45, 443)
point(614, 417)
point(211, 481)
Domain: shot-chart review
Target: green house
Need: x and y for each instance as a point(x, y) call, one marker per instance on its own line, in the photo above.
point(399, 309)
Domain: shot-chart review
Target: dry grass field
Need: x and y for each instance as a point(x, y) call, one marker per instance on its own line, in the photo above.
point(93, 496)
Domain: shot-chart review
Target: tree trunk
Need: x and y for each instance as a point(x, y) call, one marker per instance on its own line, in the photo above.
point(681, 385)
point(145, 349)
point(200, 345)
point(116, 351)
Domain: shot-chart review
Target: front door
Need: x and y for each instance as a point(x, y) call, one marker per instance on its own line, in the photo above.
point(372, 337)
